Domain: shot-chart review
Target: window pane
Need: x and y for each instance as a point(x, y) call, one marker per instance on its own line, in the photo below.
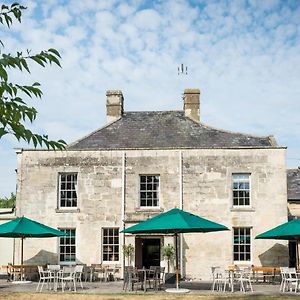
point(67, 246)
point(242, 244)
point(241, 189)
point(68, 181)
point(149, 191)
point(110, 244)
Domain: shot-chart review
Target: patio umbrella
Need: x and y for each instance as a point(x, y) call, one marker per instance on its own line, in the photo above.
point(26, 228)
point(175, 221)
point(287, 231)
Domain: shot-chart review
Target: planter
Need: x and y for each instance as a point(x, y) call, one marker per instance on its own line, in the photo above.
point(170, 278)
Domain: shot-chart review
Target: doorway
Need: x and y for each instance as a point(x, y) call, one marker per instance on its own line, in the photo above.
point(147, 252)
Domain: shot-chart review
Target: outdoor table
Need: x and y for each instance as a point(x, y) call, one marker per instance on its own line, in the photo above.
point(266, 271)
point(15, 271)
point(56, 273)
point(145, 273)
point(231, 273)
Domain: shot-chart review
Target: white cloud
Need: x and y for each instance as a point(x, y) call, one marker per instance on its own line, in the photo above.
point(243, 55)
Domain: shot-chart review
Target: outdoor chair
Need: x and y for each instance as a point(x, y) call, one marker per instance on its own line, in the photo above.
point(244, 278)
point(291, 278)
point(45, 277)
point(152, 276)
point(221, 279)
point(66, 277)
point(131, 278)
point(160, 280)
point(214, 271)
point(98, 272)
point(127, 271)
point(284, 276)
point(78, 274)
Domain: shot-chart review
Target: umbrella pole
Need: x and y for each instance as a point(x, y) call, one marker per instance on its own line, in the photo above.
point(176, 259)
point(22, 242)
point(297, 255)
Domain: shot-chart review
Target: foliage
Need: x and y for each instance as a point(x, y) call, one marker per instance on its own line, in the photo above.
point(128, 251)
point(8, 202)
point(168, 252)
point(14, 111)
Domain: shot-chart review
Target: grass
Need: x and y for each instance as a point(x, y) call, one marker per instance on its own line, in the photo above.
point(68, 296)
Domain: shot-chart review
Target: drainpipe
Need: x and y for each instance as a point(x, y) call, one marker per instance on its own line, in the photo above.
point(181, 207)
point(123, 205)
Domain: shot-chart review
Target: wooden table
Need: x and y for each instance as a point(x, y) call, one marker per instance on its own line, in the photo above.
point(265, 272)
point(145, 273)
point(15, 272)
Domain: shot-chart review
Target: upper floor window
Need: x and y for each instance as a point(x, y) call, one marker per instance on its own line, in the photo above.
point(68, 190)
point(242, 244)
point(110, 244)
point(67, 246)
point(241, 189)
point(149, 190)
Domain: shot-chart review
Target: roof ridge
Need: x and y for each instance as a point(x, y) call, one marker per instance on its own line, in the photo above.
point(153, 111)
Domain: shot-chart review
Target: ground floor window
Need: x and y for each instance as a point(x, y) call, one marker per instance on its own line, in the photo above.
point(67, 246)
point(110, 244)
point(242, 244)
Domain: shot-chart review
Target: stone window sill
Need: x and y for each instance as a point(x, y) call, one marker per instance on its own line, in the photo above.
point(238, 209)
point(67, 210)
point(149, 209)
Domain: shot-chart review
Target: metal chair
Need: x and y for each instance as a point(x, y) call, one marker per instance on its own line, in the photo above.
point(68, 275)
point(45, 277)
point(244, 279)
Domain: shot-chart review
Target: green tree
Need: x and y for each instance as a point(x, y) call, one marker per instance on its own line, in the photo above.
point(14, 110)
point(168, 252)
point(128, 252)
point(8, 202)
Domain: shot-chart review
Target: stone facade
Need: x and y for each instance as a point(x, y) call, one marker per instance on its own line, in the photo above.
point(197, 180)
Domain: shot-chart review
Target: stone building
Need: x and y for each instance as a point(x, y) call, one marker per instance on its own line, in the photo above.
point(143, 163)
point(293, 197)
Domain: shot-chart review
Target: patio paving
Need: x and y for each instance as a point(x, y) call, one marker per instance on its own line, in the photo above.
point(115, 287)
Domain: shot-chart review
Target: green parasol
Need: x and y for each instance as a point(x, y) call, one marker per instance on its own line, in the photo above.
point(25, 228)
point(286, 231)
point(175, 221)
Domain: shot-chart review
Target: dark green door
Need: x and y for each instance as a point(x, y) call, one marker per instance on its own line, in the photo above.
point(150, 252)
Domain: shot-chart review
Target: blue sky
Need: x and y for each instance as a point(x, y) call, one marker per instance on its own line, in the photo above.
point(243, 55)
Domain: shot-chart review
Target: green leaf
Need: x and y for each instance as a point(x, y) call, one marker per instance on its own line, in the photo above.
point(54, 59)
point(3, 132)
point(54, 51)
point(37, 60)
point(3, 73)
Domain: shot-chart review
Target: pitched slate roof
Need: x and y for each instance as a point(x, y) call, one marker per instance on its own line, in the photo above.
point(164, 130)
point(293, 184)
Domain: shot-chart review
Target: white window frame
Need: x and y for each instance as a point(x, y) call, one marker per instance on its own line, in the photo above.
point(72, 190)
point(157, 191)
point(249, 190)
point(110, 245)
point(64, 262)
point(242, 262)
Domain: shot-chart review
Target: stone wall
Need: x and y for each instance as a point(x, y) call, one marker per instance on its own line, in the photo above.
point(206, 191)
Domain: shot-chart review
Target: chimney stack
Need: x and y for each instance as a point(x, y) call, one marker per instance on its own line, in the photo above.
point(114, 105)
point(191, 106)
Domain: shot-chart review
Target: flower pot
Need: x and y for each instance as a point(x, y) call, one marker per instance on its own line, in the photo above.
point(170, 278)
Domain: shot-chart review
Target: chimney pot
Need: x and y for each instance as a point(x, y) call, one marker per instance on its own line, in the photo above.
point(191, 106)
point(114, 105)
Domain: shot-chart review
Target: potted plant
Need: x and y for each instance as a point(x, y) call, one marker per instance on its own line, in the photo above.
point(168, 253)
point(128, 251)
